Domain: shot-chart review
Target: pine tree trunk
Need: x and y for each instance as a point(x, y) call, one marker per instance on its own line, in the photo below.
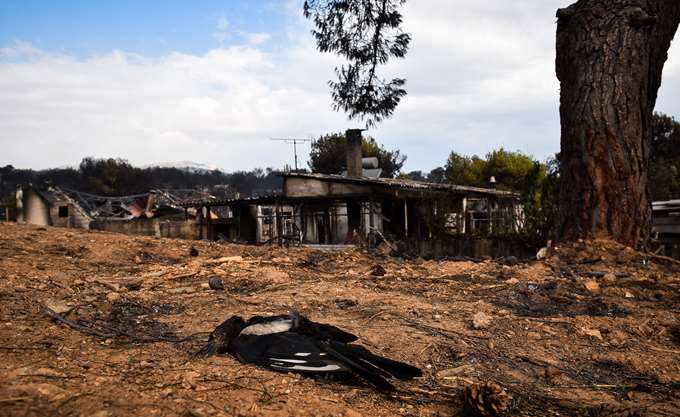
point(610, 57)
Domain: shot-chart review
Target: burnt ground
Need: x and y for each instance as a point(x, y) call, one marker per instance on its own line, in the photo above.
point(591, 331)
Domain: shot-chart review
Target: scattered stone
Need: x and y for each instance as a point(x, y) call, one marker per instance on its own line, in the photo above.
point(629, 294)
point(49, 372)
point(190, 379)
point(182, 290)
point(194, 412)
point(59, 306)
point(345, 303)
point(237, 258)
point(31, 371)
point(437, 317)
point(609, 278)
point(134, 285)
point(551, 372)
point(112, 297)
point(511, 260)
point(592, 286)
point(113, 286)
point(542, 254)
point(378, 270)
point(627, 255)
point(224, 260)
point(215, 283)
point(481, 320)
point(534, 335)
point(49, 391)
point(584, 331)
point(274, 275)
point(512, 281)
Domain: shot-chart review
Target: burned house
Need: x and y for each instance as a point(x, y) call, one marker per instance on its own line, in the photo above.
point(156, 213)
point(49, 207)
point(666, 226)
point(350, 208)
point(332, 209)
point(354, 208)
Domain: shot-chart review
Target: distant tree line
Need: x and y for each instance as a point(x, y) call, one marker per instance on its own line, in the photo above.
point(116, 177)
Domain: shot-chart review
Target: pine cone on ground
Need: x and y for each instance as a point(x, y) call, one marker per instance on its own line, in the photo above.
point(485, 400)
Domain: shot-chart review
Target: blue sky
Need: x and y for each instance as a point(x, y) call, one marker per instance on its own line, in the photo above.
point(211, 81)
point(149, 28)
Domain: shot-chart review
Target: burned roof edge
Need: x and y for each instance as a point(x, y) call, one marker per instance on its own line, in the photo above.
point(408, 184)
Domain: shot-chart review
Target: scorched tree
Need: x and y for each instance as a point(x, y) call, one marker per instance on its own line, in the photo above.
point(610, 57)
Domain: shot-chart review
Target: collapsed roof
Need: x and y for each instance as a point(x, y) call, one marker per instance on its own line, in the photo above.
point(156, 203)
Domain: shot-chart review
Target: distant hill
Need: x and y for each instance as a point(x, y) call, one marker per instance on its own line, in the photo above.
point(184, 166)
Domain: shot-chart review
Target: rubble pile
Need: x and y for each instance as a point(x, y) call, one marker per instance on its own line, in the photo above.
point(101, 324)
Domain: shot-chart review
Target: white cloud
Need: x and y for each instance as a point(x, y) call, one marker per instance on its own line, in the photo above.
point(20, 49)
point(669, 101)
point(257, 38)
point(480, 76)
point(221, 32)
point(220, 107)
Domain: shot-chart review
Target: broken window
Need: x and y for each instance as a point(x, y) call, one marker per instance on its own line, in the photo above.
point(63, 211)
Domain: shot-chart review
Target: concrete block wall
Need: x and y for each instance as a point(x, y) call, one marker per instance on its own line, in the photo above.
point(182, 229)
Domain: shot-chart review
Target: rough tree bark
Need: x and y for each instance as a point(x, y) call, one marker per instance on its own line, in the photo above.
point(610, 57)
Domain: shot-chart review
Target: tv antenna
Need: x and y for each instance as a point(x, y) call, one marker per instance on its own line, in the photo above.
point(294, 142)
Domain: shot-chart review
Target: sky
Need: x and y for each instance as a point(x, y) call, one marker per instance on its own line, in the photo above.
point(211, 82)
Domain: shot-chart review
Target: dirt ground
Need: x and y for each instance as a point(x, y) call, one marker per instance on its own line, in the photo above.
point(591, 331)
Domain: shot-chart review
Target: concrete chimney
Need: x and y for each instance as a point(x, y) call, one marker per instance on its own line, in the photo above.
point(354, 165)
